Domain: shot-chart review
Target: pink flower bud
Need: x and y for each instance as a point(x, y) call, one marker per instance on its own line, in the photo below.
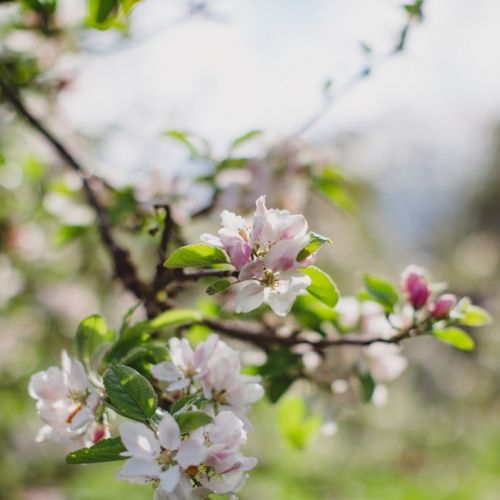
point(416, 286)
point(442, 307)
point(99, 434)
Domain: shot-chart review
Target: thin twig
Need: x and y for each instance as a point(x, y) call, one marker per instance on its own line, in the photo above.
point(363, 73)
point(124, 269)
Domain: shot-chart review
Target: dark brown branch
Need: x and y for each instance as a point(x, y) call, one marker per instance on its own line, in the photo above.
point(124, 269)
point(265, 337)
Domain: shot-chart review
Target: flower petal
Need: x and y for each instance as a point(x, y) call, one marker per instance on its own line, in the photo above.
point(140, 441)
point(139, 470)
point(170, 479)
point(212, 240)
point(250, 296)
point(191, 452)
point(169, 433)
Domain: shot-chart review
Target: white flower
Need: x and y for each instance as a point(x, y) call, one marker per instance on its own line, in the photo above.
point(184, 367)
point(213, 367)
point(159, 459)
point(210, 456)
point(222, 381)
point(265, 252)
point(65, 401)
point(223, 439)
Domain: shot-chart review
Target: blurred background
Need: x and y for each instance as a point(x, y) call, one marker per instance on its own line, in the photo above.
point(414, 131)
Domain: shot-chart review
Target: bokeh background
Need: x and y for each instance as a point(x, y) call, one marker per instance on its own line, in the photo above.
point(419, 138)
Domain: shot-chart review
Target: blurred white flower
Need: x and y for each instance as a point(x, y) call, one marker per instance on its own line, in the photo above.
point(11, 280)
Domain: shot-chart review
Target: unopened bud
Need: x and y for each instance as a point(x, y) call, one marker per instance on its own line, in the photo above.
point(442, 307)
point(99, 434)
point(416, 286)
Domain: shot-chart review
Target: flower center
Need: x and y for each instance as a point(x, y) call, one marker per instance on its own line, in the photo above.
point(166, 457)
point(270, 280)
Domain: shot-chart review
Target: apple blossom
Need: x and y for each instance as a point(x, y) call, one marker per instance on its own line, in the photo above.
point(227, 467)
point(206, 461)
point(159, 458)
point(212, 367)
point(66, 402)
point(264, 251)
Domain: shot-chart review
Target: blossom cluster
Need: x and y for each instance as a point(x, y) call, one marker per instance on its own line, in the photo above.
point(211, 369)
point(179, 463)
point(264, 251)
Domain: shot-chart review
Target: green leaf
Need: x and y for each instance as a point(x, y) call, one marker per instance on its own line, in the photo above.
point(456, 337)
point(244, 138)
point(279, 371)
point(101, 10)
point(192, 420)
point(218, 286)
point(234, 163)
point(294, 424)
point(130, 394)
point(183, 138)
point(174, 318)
point(315, 241)
point(367, 385)
point(66, 234)
point(474, 316)
point(107, 450)
point(277, 386)
point(196, 256)
point(322, 286)
point(311, 313)
point(91, 334)
point(381, 290)
point(133, 336)
point(187, 402)
point(332, 185)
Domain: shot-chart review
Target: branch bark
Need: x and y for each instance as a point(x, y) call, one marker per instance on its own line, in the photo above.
point(265, 337)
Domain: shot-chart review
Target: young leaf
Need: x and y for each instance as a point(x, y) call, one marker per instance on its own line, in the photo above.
point(101, 10)
point(91, 334)
point(196, 256)
point(107, 450)
point(332, 185)
point(322, 286)
point(218, 286)
point(191, 420)
point(456, 337)
point(294, 424)
point(315, 241)
point(130, 394)
point(244, 138)
point(183, 138)
point(474, 316)
point(381, 290)
point(174, 318)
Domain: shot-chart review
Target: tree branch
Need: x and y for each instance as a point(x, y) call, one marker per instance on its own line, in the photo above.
point(265, 337)
point(124, 269)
